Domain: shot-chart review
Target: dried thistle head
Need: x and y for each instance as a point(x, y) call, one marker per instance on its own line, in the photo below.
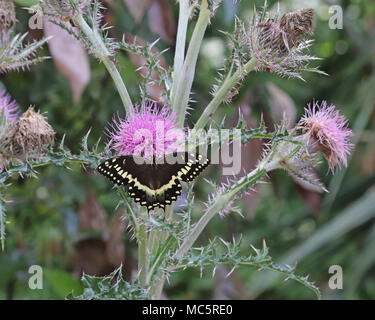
point(300, 22)
point(273, 38)
point(7, 20)
point(9, 151)
point(279, 44)
point(297, 23)
point(32, 133)
point(281, 36)
point(25, 138)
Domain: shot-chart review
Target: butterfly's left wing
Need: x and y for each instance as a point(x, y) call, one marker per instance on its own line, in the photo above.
point(176, 167)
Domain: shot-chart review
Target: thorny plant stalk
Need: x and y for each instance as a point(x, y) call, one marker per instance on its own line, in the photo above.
point(143, 254)
point(105, 57)
point(222, 92)
point(266, 165)
point(157, 286)
point(185, 79)
point(184, 70)
point(179, 57)
point(219, 204)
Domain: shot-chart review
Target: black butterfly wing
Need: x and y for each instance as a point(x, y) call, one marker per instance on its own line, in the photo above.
point(177, 167)
point(132, 172)
point(153, 184)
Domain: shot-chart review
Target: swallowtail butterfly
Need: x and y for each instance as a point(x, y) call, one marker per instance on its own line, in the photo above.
point(155, 183)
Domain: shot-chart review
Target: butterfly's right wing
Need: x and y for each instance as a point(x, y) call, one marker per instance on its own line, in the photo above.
point(177, 167)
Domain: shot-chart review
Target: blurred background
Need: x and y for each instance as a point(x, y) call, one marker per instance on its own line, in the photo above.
point(67, 222)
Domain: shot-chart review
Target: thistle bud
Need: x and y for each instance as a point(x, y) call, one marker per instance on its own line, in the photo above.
point(7, 20)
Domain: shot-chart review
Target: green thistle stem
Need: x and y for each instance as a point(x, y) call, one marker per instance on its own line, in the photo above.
point(185, 79)
point(158, 284)
point(142, 250)
point(103, 54)
point(179, 57)
point(222, 92)
point(222, 201)
point(2, 223)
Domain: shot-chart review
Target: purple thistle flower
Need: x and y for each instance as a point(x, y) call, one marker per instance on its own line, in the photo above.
point(326, 130)
point(10, 106)
point(146, 132)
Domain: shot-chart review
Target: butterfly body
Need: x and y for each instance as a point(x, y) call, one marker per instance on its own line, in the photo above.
point(155, 183)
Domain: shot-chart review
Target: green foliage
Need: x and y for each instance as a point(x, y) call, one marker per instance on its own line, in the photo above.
point(111, 287)
point(16, 55)
point(63, 283)
point(152, 64)
point(213, 255)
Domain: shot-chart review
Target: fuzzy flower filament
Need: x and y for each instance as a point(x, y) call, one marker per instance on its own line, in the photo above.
point(146, 132)
point(325, 130)
point(9, 106)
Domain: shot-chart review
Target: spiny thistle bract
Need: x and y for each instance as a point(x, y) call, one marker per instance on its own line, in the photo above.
point(19, 56)
point(65, 8)
point(14, 54)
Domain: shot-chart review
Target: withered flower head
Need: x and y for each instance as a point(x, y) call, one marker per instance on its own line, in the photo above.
point(281, 36)
point(279, 44)
point(7, 20)
point(33, 132)
point(297, 23)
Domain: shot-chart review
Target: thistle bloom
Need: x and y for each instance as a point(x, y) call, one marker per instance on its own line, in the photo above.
point(326, 130)
point(146, 132)
point(10, 106)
